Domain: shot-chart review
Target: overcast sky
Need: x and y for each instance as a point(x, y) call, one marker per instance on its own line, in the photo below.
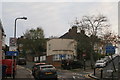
point(55, 18)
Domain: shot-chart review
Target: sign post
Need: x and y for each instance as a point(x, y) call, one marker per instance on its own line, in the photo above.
point(111, 50)
point(13, 52)
point(84, 55)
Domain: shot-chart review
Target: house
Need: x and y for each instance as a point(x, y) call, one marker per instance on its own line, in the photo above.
point(83, 41)
point(2, 40)
point(60, 49)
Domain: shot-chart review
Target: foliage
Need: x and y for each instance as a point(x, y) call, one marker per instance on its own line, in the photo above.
point(32, 42)
point(93, 26)
point(34, 33)
point(83, 46)
point(6, 48)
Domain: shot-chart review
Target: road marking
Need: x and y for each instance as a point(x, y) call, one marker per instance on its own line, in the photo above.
point(73, 77)
point(87, 76)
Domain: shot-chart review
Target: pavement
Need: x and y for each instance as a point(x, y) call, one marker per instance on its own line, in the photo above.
point(107, 73)
point(27, 74)
point(21, 74)
point(104, 76)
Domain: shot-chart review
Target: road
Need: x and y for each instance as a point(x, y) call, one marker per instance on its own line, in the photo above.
point(107, 71)
point(70, 75)
point(25, 72)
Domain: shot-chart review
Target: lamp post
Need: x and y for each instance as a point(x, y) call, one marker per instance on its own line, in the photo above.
point(25, 18)
point(13, 63)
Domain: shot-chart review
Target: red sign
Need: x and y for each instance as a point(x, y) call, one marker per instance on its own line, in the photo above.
point(84, 55)
point(12, 41)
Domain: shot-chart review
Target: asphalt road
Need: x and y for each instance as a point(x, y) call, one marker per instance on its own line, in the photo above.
point(107, 71)
point(24, 70)
point(69, 75)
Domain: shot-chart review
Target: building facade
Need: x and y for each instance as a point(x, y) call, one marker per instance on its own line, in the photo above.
point(2, 45)
point(60, 49)
point(2, 41)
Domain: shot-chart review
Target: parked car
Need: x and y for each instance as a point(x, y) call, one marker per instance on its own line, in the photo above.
point(46, 72)
point(36, 66)
point(21, 61)
point(100, 64)
point(71, 64)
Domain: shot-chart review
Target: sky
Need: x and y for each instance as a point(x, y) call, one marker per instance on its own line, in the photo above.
point(55, 18)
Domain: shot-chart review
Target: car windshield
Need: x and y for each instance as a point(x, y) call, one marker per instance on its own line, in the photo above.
point(100, 61)
point(44, 67)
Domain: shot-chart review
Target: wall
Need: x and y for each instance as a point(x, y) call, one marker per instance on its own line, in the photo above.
point(61, 46)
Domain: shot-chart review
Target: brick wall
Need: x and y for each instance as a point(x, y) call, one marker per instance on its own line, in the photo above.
point(49, 60)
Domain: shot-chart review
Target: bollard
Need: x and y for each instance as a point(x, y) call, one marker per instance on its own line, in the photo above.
point(101, 74)
point(84, 65)
point(119, 71)
point(112, 76)
point(94, 71)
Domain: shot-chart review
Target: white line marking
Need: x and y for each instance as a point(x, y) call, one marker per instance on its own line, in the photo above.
point(73, 77)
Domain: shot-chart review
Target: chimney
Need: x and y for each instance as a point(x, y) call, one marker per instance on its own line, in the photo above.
point(83, 31)
point(74, 29)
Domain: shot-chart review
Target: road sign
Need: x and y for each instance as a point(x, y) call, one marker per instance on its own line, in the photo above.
point(84, 55)
point(62, 55)
point(12, 53)
point(12, 41)
point(12, 48)
point(110, 49)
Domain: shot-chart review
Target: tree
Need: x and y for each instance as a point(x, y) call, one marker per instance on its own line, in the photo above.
point(94, 26)
point(34, 33)
point(33, 42)
point(109, 37)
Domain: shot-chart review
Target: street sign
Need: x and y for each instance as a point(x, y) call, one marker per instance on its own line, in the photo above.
point(110, 49)
point(12, 53)
point(12, 41)
point(84, 55)
point(62, 55)
point(12, 48)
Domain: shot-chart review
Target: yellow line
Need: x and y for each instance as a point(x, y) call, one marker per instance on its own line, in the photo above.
point(86, 76)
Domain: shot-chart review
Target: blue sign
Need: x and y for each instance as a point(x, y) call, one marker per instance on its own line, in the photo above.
point(12, 53)
point(62, 55)
point(110, 49)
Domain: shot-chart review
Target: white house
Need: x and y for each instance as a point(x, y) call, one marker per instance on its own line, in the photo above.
point(61, 49)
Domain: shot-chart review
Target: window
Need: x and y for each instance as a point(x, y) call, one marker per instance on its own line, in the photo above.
point(56, 57)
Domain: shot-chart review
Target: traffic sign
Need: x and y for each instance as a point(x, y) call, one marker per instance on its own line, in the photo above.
point(62, 55)
point(12, 41)
point(110, 49)
point(84, 55)
point(12, 48)
point(12, 53)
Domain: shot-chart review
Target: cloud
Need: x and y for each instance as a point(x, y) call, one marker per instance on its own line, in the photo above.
point(60, 0)
point(55, 18)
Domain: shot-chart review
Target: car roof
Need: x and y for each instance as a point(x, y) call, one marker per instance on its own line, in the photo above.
point(46, 65)
point(39, 63)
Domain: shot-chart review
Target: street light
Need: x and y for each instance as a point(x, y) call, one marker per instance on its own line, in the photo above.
point(25, 18)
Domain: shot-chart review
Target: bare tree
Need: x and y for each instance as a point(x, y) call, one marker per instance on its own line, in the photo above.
point(109, 37)
point(94, 26)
